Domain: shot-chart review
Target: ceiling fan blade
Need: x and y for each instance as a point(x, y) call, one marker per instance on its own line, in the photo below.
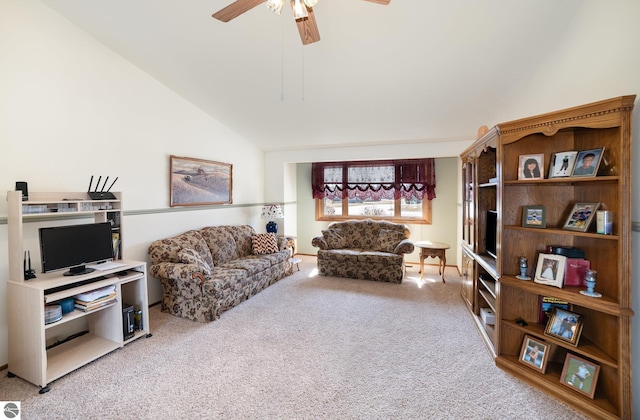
point(379, 1)
point(235, 9)
point(308, 28)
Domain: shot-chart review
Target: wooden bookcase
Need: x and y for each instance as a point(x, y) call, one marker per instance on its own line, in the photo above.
point(39, 352)
point(606, 336)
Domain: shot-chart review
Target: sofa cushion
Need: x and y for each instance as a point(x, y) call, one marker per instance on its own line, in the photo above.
point(243, 236)
point(335, 238)
point(167, 250)
point(264, 243)
point(191, 256)
point(377, 257)
point(252, 265)
point(221, 243)
point(388, 240)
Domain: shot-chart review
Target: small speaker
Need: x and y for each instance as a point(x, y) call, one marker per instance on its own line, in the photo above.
point(128, 321)
point(22, 186)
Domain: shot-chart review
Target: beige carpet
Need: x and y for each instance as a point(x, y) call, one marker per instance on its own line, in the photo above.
point(308, 347)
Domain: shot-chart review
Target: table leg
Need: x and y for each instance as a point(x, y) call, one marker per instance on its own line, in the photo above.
point(422, 263)
point(443, 261)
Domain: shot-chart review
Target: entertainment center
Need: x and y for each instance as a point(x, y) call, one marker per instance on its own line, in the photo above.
point(44, 347)
point(536, 216)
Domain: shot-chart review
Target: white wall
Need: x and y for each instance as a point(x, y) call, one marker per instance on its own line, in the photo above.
point(71, 108)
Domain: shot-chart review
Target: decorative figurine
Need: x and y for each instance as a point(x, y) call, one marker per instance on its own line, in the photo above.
point(523, 269)
point(590, 279)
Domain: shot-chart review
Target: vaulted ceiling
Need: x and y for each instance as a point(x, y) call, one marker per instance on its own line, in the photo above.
point(414, 70)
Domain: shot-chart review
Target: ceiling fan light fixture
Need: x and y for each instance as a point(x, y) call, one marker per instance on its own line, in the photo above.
point(310, 3)
point(299, 10)
point(275, 6)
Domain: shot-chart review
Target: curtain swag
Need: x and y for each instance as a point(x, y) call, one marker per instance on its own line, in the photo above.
point(375, 179)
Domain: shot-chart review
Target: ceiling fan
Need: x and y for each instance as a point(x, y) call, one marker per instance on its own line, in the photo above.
point(302, 13)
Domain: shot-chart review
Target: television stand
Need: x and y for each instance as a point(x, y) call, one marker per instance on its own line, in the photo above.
point(32, 355)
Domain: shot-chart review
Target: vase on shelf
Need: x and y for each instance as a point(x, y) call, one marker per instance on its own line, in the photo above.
point(523, 264)
point(590, 279)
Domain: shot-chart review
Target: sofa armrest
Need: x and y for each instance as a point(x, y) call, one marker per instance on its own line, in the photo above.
point(404, 247)
point(179, 272)
point(319, 242)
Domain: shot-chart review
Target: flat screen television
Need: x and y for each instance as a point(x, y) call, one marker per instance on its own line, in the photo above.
point(491, 232)
point(73, 247)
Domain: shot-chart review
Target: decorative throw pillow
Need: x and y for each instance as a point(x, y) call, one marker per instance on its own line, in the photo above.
point(264, 243)
point(388, 240)
point(334, 238)
point(190, 256)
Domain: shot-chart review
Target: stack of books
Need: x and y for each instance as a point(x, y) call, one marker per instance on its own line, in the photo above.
point(95, 299)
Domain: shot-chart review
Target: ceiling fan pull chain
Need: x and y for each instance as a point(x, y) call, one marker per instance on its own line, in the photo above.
point(302, 74)
point(282, 60)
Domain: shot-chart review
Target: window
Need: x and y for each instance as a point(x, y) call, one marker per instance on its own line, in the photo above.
point(398, 190)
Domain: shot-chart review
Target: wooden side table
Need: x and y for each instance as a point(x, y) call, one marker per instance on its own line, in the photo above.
point(433, 250)
point(291, 243)
point(295, 261)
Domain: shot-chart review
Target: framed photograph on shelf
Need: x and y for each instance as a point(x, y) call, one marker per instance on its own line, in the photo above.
point(199, 182)
point(534, 216)
point(580, 375)
point(562, 163)
point(531, 166)
point(581, 216)
point(587, 162)
point(534, 353)
point(550, 269)
point(564, 325)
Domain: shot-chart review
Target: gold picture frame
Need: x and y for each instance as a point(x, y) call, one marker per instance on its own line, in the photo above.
point(580, 374)
point(531, 166)
point(199, 182)
point(565, 326)
point(581, 216)
point(587, 163)
point(534, 353)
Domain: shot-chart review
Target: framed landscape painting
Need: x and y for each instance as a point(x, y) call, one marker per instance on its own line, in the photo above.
point(199, 182)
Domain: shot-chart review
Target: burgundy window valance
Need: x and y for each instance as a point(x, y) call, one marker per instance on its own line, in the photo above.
point(375, 179)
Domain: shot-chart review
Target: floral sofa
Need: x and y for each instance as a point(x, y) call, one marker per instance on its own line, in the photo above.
point(208, 271)
point(363, 249)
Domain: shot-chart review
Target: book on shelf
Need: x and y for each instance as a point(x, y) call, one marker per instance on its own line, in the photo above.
point(95, 301)
point(94, 306)
point(96, 294)
point(546, 307)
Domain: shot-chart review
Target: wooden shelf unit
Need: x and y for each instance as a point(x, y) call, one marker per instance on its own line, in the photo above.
point(606, 336)
point(41, 353)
